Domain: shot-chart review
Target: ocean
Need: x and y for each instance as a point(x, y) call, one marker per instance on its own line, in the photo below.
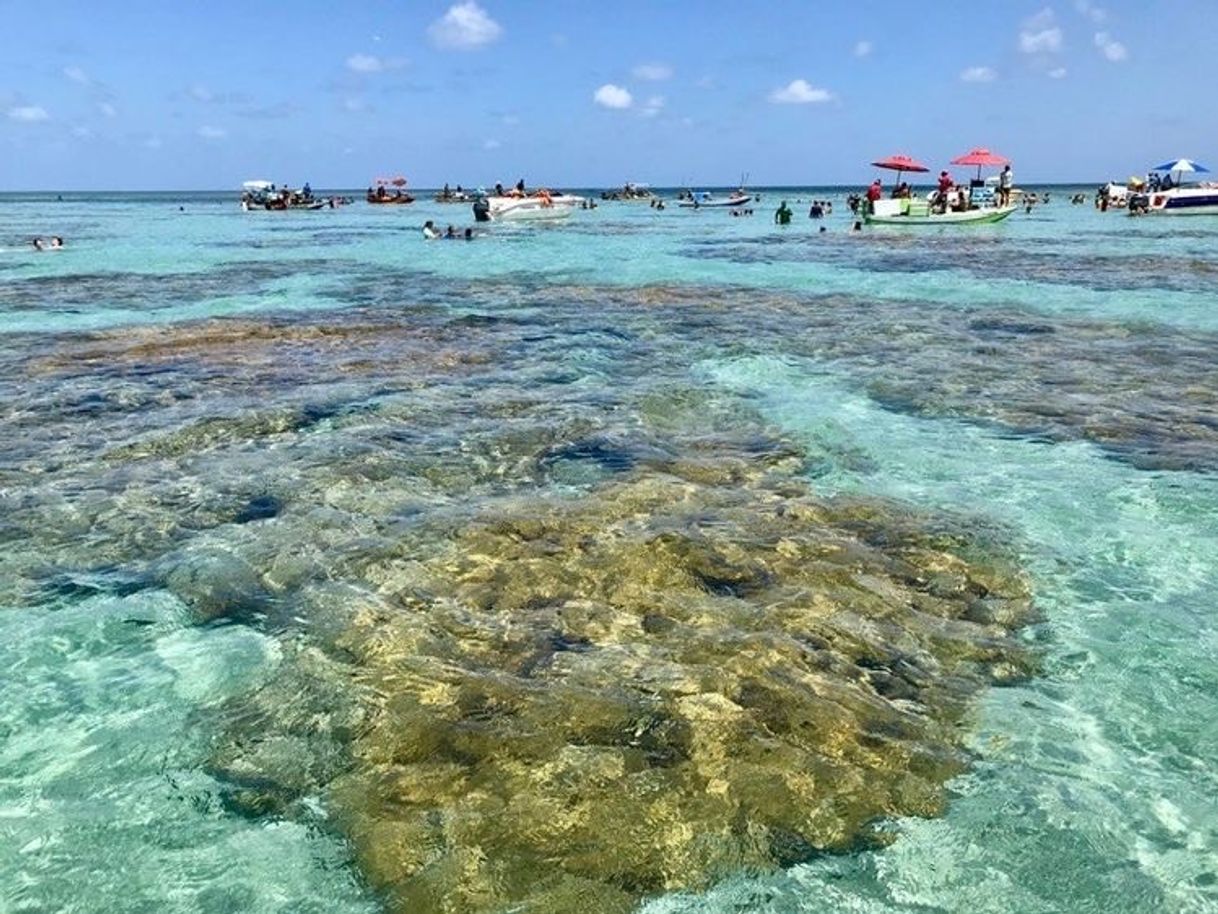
point(664, 561)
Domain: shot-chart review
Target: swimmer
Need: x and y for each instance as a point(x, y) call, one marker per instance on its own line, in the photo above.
point(469, 234)
point(38, 245)
point(450, 232)
point(430, 232)
point(56, 242)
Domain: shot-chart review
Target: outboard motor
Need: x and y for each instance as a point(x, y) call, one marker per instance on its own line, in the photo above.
point(482, 210)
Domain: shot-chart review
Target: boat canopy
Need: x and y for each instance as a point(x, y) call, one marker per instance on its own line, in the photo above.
point(257, 185)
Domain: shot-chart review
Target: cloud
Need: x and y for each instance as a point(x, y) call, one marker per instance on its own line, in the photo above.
point(370, 63)
point(799, 92)
point(653, 72)
point(465, 27)
point(1110, 48)
point(653, 106)
point(706, 82)
point(611, 96)
point(28, 114)
point(78, 76)
point(354, 103)
point(491, 144)
point(201, 94)
point(1058, 73)
point(978, 75)
point(82, 132)
point(153, 142)
point(510, 120)
point(1040, 34)
point(208, 132)
point(1096, 14)
point(107, 109)
point(863, 49)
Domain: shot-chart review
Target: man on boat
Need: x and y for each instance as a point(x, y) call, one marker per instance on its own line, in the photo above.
point(874, 192)
point(1005, 182)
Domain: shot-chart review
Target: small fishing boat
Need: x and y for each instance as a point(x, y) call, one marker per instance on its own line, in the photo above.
point(389, 191)
point(921, 212)
point(263, 195)
point(630, 193)
point(706, 199)
point(956, 204)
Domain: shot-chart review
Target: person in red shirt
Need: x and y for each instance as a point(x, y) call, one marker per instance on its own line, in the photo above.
point(874, 192)
point(945, 182)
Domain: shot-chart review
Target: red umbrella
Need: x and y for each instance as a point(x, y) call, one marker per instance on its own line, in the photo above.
point(980, 158)
point(399, 181)
point(900, 163)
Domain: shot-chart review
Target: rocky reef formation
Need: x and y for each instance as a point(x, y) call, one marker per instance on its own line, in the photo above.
point(575, 702)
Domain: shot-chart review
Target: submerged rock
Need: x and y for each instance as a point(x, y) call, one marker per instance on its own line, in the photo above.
point(585, 702)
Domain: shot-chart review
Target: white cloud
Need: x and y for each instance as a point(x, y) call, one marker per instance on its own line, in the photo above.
point(107, 109)
point(153, 142)
point(978, 75)
point(209, 132)
point(28, 114)
point(354, 103)
point(653, 106)
point(706, 82)
point(464, 27)
point(82, 132)
point(201, 93)
point(1040, 34)
point(1111, 48)
point(77, 75)
point(1046, 41)
point(611, 96)
point(1058, 73)
point(863, 48)
point(370, 63)
point(1096, 14)
point(491, 144)
point(510, 120)
point(799, 92)
point(653, 72)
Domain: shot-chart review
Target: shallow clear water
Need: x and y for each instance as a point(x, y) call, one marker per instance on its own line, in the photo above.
point(1052, 378)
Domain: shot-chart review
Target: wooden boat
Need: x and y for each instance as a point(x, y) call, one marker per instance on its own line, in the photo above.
point(910, 212)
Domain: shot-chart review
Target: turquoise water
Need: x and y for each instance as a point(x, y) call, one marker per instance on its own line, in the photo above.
point(1053, 377)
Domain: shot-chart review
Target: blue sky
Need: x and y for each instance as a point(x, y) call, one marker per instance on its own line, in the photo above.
point(134, 94)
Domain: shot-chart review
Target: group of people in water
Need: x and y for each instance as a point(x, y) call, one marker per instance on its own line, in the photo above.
point(54, 243)
point(431, 232)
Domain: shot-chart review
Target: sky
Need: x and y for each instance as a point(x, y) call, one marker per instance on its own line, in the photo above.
point(143, 95)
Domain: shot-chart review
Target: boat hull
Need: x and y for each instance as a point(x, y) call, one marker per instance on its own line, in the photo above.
point(533, 209)
point(1188, 201)
point(733, 201)
point(970, 217)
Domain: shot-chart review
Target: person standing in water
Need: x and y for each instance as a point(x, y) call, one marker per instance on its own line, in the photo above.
point(782, 216)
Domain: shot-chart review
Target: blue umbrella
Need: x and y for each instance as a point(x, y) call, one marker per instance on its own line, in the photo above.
point(1181, 165)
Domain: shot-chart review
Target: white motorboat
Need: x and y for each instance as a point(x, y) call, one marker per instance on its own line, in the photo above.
point(1173, 196)
point(538, 207)
point(705, 199)
point(1185, 200)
